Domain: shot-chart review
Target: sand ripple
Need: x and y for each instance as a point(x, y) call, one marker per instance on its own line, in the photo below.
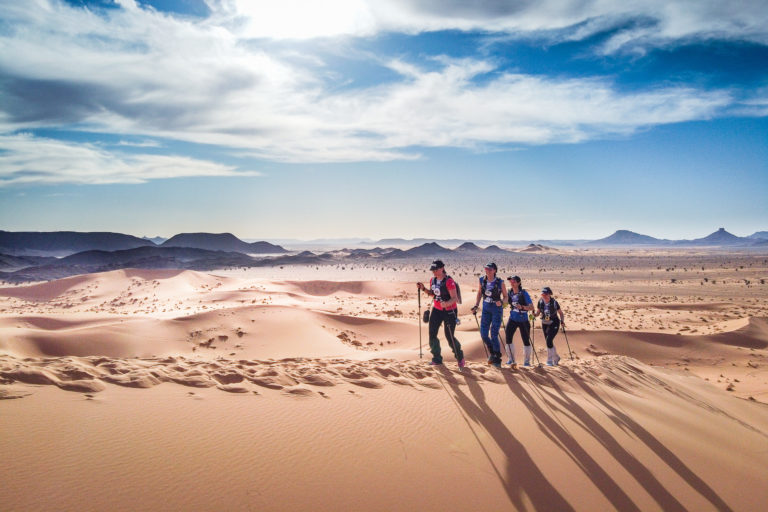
point(303, 377)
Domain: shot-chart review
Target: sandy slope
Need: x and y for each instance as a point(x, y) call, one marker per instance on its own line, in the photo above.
point(171, 390)
point(610, 433)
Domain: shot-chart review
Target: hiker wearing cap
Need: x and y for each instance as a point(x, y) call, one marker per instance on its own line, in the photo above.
point(520, 304)
point(493, 293)
point(551, 318)
point(444, 311)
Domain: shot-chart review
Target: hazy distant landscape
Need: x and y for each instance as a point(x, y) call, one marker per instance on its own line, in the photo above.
point(29, 256)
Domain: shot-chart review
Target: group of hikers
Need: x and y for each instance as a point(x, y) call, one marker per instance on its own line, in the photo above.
point(495, 297)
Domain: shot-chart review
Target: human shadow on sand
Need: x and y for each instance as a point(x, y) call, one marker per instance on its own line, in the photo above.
point(553, 395)
point(625, 422)
point(521, 476)
point(557, 433)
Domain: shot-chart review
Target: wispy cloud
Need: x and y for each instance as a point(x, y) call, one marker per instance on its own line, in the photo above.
point(141, 73)
point(26, 160)
point(140, 143)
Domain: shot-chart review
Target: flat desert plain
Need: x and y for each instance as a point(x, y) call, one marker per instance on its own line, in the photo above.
point(302, 388)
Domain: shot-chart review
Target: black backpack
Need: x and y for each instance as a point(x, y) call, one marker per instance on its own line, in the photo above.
point(444, 293)
point(496, 293)
point(520, 295)
point(553, 307)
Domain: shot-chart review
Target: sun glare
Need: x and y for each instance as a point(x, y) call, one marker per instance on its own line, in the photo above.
point(305, 19)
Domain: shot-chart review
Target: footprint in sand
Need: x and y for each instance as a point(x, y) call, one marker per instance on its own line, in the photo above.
point(299, 391)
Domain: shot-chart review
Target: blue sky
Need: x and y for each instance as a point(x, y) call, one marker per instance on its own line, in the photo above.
point(408, 118)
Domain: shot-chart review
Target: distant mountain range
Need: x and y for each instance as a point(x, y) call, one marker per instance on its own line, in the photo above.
point(456, 241)
point(141, 257)
point(29, 256)
point(622, 237)
point(221, 242)
point(720, 238)
point(64, 243)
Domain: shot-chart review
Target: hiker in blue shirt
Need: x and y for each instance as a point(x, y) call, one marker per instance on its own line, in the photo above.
point(494, 295)
point(520, 304)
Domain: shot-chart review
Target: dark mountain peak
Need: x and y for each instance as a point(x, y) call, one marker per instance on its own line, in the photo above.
point(266, 248)
point(429, 249)
point(626, 237)
point(468, 247)
point(221, 242)
point(721, 235)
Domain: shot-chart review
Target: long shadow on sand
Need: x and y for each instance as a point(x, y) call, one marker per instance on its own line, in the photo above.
point(553, 395)
point(557, 433)
point(625, 422)
point(521, 475)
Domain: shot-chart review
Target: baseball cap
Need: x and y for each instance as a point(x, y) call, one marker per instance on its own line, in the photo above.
point(437, 264)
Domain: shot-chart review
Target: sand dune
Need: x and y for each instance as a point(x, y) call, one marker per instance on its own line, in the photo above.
point(185, 390)
point(321, 434)
point(324, 288)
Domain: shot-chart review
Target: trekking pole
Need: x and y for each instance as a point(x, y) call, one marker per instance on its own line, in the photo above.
point(504, 341)
point(533, 345)
point(418, 319)
point(481, 335)
point(566, 342)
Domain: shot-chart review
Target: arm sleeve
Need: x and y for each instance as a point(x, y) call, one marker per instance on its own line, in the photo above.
point(450, 284)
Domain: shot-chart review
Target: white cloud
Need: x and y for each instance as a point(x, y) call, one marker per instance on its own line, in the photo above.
point(671, 19)
point(141, 73)
point(26, 159)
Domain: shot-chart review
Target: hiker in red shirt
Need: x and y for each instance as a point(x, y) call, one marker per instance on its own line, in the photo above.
point(444, 311)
